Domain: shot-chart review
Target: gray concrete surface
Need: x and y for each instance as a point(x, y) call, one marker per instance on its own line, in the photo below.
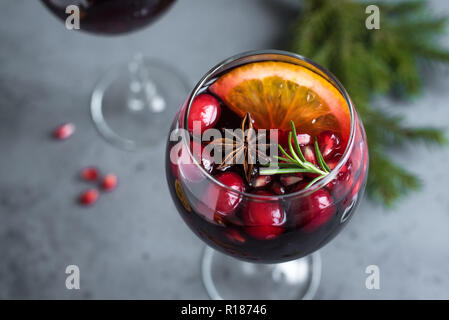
point(132, 243)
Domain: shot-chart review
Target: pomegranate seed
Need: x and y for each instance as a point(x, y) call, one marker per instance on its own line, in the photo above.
point(309, 154)
point(64, 131)
point(303, 139)
point(261, 181)
point(89, 197)
point(289, 180)
point(90, 174)
point(109, 182)
point(329, 143)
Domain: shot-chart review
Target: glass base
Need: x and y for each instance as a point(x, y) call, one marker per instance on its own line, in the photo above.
point(228, 278)
point(132, 106)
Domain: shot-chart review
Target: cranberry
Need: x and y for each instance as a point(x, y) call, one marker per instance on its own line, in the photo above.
point(205, 109)
point(109, 182)
point(263, 219)
point(89, 197)
point(314, 210)
point(329, 143)
point(220, 200)
point(64, 131)
point(90, 174)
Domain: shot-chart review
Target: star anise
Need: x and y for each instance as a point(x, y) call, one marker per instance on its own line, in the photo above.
point(241, 147)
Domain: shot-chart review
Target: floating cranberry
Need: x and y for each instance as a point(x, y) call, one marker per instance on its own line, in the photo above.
point(64, 131)
point(89, 197)
point(90, 174)
point(109, 182)
point(206, 110)
point(220, 200)
point(313, 210)
point(263, 219)
point(329, 143)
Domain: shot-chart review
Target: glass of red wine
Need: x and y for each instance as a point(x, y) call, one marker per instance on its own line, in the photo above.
point(130, 105)
point(266, 215)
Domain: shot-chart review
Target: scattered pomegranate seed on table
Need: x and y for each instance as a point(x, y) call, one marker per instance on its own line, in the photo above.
point(89, 197)
point(90, 174)
point(109, 182)
point(64, 131)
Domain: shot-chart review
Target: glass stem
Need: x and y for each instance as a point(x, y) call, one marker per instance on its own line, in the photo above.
point(142, 91)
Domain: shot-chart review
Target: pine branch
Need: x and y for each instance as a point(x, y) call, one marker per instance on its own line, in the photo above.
point(390, 180)
point(390, 130)
point(403, 7)
point(375, 62)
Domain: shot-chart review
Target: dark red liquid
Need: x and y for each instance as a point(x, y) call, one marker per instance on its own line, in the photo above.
point(305, 228)
point(111, 16)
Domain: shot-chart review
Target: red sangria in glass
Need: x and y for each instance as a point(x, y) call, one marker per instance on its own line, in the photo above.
point(266, 162)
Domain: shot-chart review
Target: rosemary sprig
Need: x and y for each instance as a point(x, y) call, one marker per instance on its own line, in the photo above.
point(295, 162)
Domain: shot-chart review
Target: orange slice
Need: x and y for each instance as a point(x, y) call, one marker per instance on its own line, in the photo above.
point(276, 92)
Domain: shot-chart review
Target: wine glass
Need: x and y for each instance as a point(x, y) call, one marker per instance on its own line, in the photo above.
point(246, 258)
point(130, 105)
